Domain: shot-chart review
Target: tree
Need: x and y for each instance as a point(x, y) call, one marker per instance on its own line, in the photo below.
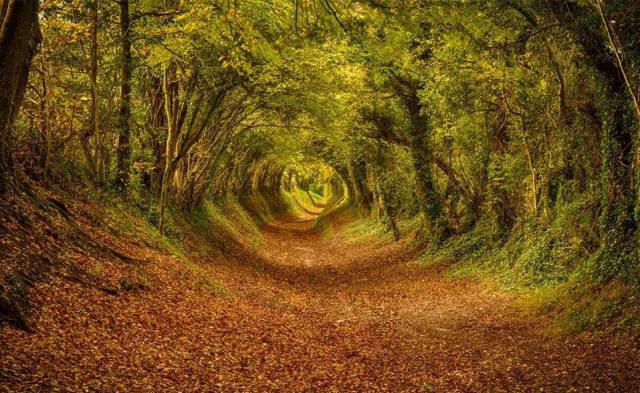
point(124, 112)
point(619, 135)
point(19, 39)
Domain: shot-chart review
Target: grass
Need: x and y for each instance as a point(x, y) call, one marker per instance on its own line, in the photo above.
point(226, 220)
point(365, 228)
point(215, 223)
point(575, 305)
point(370, 228)
point(131, 223)
point(298, 202)
point(547, 268)
point(578, 308)
point(204, 281)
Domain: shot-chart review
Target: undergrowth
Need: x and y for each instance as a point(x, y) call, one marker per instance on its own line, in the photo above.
point(378, 230)
point(549, 266)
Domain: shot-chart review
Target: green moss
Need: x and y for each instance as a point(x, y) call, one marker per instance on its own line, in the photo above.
point(532, 256)
point(226, 220)
point(131, 223)
point(95, 270)
point(204, 281)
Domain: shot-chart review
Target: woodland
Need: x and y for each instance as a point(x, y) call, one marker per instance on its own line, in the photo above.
point(320, 195)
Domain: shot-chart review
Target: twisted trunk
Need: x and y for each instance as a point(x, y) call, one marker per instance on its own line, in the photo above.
point(423, 160)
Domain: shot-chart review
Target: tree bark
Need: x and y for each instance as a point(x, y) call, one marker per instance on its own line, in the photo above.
point(157, 125)
point(93, 128)
point(19, 40)
point(420, 133)
point(171, 113)
point(124, 113)
point(501, 200)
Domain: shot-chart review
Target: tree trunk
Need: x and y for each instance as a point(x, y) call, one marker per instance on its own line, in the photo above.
point(124, 112)
point(360, 181)
point(394, 222)
point(420, 134)
point(171, 113)
point(19, 39)
point(356, 192)
point(500, 198)
point(93, 130)
point(426, 190)
point(157, 125)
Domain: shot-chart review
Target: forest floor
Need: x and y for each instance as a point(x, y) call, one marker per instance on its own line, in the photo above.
point(319, 312)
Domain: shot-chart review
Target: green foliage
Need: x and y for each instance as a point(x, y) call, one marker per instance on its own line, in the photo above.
point(533, 255)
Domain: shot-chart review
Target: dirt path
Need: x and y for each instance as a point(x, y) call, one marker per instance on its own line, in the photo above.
point(318, 314)
point(399, 327)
